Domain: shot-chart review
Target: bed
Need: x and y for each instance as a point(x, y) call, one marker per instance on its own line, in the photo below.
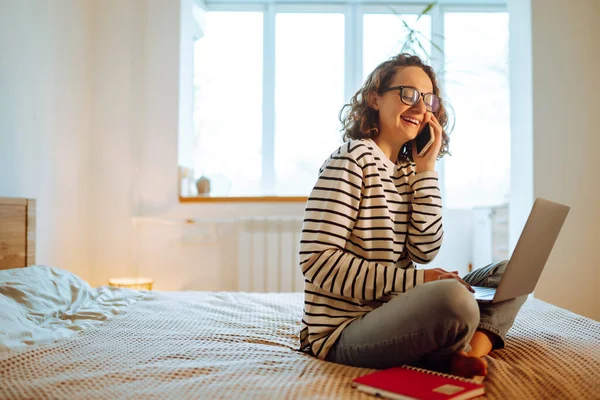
point(238, 345)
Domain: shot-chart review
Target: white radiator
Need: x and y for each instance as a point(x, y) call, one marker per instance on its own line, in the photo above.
point(267, 257)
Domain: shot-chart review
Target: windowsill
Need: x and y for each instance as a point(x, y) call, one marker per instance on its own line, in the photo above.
point(250, 199)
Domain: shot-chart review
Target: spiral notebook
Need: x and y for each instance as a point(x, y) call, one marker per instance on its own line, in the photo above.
point(407, 383)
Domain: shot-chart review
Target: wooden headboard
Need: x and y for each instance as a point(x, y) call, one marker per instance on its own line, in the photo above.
point(17, 232)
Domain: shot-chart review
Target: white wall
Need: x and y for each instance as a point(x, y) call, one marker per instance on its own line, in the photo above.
point(566, 138)
point(555, 96)
point(44, 122)
point(118, 104)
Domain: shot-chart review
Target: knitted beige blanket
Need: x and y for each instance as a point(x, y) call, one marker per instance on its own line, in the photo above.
point(206, 345)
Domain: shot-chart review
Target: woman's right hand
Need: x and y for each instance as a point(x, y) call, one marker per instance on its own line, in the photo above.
point(437, 274)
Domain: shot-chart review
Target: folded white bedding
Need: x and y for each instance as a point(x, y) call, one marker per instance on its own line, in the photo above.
point(40, 304)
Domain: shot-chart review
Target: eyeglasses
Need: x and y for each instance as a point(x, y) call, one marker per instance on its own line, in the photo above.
point(410, 96)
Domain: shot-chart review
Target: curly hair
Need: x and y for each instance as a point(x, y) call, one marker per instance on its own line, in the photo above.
point(359, 120)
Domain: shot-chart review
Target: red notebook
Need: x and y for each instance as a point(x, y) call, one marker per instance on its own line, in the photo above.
point(416, 383)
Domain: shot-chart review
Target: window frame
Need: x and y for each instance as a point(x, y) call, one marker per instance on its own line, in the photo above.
point(353, 11)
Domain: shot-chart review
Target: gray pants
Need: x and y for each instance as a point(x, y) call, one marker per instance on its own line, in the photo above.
point(427, 324)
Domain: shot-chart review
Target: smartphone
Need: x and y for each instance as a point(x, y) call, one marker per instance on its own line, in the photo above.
point(424, 140)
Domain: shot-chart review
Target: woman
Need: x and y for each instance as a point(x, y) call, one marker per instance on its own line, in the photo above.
point(375, 210)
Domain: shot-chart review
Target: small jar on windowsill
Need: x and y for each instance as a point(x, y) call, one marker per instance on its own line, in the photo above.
point(132, 283)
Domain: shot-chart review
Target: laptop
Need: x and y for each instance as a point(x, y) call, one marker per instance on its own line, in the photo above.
point(530, 255)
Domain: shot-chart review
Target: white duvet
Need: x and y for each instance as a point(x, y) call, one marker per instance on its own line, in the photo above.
point(40, 304)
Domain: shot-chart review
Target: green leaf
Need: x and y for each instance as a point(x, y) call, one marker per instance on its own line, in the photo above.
point(407, 45)
point(425, 38)
point(427, 9)
point(423, 48)
point(406, 26)
point(422, 35)
point(438, 48)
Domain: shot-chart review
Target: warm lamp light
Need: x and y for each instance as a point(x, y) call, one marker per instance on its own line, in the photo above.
point(139, 283)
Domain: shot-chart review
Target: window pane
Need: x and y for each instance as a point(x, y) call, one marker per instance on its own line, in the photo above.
point(228, 103)
point(309, 92)
point(386, 35)
point(476, 83)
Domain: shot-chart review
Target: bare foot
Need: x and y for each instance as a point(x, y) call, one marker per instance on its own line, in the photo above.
point(467, 366)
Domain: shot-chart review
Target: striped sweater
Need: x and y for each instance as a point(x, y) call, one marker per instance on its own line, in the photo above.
point(366, 222)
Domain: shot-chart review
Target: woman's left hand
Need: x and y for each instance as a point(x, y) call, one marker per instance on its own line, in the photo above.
point(427, 161)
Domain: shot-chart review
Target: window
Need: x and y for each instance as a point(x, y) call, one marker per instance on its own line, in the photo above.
point(384, 35)
point(228, 103)
point(309, 91)
point(270, 80)
point(476, 84)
